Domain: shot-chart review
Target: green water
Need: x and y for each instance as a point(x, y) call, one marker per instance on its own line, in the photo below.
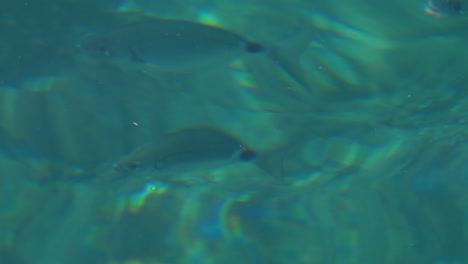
point(357, 112)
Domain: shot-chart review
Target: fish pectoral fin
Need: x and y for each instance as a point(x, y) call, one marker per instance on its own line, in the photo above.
point(135, 56)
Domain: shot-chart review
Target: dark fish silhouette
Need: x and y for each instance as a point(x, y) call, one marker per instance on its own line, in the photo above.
point(179, 45)
point(168, 44)
point(189, 145)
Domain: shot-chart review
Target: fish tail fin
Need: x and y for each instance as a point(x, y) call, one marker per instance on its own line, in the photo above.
point(271, 162)
point(287, 54)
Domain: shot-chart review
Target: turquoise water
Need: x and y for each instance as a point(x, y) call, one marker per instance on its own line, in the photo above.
point(357, 112)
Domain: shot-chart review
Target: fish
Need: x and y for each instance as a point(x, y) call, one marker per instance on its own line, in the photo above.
point(196, 144)
point(157, 45)
point(168, 44)
point(444, 8)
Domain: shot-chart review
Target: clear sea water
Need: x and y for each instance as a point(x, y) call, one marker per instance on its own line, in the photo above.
point(360, 125)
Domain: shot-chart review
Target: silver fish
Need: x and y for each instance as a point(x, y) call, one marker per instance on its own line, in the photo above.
point(189, 145)
point(168, 44)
